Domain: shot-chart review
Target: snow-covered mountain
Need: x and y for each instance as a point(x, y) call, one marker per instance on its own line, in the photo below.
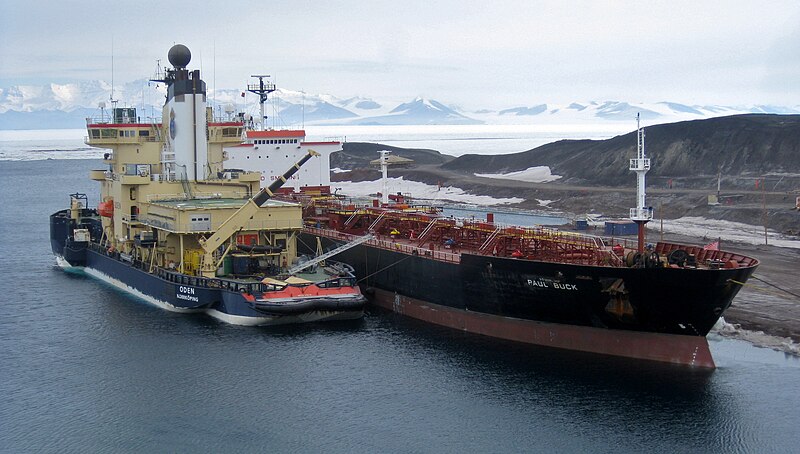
point(69, 97)
point(67, 106)
point(594, 112)
point(420, 111)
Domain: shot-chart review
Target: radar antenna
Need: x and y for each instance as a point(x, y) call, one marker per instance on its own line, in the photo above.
point(262, 89)
point(111, 96)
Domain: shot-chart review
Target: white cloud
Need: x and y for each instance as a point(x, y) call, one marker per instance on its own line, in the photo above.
point(472, 53)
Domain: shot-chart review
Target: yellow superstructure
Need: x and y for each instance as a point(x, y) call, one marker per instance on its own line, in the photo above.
point(177, 213)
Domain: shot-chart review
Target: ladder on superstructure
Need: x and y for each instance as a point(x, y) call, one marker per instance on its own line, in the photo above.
point(427, 232)
point(156, 129)
point(187, 187)
point(331, 253)
point(490, 240)
point(377, 222)
point(351, 219)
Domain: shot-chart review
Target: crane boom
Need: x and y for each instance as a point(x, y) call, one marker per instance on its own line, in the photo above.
point(239, 218)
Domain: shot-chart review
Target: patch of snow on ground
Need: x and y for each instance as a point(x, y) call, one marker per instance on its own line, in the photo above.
point(339, 170)
point(757, 338)
point(711, 229)
point(538, 174)
point(544, 203)
point(420, 191)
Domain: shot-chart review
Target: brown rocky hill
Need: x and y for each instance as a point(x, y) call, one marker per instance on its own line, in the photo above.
point(356, 155)
point(740, 147)
point(756, 155)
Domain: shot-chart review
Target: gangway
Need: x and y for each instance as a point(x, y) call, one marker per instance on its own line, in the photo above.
point(331, 253)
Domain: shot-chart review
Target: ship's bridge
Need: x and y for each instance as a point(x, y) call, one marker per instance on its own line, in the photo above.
point(121, 126)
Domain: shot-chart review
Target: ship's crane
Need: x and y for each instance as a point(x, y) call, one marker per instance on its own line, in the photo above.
point(239, 219)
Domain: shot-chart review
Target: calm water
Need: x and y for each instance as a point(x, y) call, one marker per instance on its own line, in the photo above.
point(86, 368)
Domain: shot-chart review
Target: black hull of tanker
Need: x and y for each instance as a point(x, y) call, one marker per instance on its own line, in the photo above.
point(636, 312)
point(174, 291)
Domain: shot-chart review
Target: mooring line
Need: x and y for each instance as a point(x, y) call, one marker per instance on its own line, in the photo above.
point(777, 287)
point(763, 289)
point(384, 268)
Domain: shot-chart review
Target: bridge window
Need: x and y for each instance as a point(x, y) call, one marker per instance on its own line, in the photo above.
point(231, 132)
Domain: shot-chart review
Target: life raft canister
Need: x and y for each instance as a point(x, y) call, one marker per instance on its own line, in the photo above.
point(106, 209)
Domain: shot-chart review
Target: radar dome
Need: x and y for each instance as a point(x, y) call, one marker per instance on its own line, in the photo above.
point(179, 55)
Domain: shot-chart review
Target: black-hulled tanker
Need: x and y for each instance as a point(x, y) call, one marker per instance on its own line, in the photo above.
point(590, 299)
point(536, 285)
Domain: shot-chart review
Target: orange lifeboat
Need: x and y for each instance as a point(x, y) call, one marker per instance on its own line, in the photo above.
point(106, 209)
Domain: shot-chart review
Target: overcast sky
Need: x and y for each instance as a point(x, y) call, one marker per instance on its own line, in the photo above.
point(490, 54)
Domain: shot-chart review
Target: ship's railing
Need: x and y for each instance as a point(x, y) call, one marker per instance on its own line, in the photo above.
point(157, 177)
point(166, 177)
point(115, 140)
point(198, 196)
point(108, 118)
point(249, 284)
point(188, 227)
point(388, 244)
point(644, 214)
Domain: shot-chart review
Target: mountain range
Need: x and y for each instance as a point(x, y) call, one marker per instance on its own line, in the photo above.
point(67, 106)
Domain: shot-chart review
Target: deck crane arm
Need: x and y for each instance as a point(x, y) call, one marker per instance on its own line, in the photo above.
point(239, 218)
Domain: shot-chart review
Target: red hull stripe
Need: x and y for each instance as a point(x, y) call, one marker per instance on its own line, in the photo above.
point(668, 348)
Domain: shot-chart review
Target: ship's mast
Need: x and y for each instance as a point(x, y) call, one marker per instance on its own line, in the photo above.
point(642, 214)
point(111, 96)
point(262, 89)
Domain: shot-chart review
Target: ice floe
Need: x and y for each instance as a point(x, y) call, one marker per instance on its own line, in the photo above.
point(757, 338)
